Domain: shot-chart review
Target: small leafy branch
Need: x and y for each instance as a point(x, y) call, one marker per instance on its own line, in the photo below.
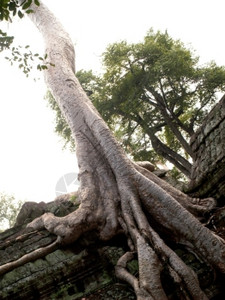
point(5, 40)
point(45, 64)
point(26, 60)
point(8, 10)
point(11, 8)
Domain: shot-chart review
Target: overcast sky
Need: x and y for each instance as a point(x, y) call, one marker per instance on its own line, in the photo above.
point(31, 155)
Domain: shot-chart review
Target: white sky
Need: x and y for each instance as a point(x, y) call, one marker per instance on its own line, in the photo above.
point(31, 156)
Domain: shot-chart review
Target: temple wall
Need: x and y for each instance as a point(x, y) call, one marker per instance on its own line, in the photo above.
point(208, 144)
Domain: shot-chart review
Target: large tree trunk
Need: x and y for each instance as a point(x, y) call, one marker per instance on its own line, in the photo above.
point(117, 195)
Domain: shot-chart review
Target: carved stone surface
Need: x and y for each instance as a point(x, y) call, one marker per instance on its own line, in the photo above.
point(66, 273)
point(85, 270)
point(208, 144)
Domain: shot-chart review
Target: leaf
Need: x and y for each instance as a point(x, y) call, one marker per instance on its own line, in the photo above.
point(20, 14)
point(12, 6)
point(44, 67)
point(3, 33)
point(37, 2)
point(27, 4)
point(29, 11)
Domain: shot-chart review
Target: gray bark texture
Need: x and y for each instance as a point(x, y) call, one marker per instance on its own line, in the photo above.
point(118, 197)
point(85, 269)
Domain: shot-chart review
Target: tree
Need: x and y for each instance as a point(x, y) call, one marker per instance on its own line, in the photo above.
point(117, 195)
point(9, 209)
point(157, 90)
point(154, 95)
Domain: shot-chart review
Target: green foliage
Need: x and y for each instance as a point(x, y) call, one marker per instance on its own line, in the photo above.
point(6, 7)
point(73, 198)
point(88, 80)
point(133, 266)
point(11, 8)
point(156, 88)
point(153, 95)
point(9, 209)
point(24, 57)
point(8, 10)
point(5, 41)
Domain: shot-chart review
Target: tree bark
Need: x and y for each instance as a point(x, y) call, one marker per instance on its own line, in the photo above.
point(176, 159)
point(115, 195)
point(84, 269)
point(170, 122)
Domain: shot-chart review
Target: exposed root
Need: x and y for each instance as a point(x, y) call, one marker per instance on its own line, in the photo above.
point(149, 277)
point(154, 253)
point(146, 165)
point(170, 214)
point(34, 255)
point(151, 250)
point(196, 206)
point(123, 274)
point(68, 228)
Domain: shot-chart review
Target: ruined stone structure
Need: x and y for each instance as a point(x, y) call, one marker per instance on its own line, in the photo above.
point(85, 270)
point(208, 144)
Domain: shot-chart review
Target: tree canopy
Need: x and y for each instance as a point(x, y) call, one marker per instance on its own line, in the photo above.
point(9, 209)
point(153, 95)
point(158, 94)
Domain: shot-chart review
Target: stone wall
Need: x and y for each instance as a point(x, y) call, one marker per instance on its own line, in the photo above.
point(85, 269)
point(208, 144)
